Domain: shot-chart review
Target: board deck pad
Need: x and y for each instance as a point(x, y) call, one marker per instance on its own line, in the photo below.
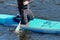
point(44, 24)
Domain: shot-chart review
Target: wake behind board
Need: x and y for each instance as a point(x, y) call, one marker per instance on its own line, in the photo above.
point(36, 25)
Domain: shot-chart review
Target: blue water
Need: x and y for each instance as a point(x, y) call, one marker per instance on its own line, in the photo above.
point(48, 9)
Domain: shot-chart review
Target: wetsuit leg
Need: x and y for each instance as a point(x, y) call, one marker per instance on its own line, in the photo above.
point(28, 14)
point(23, 15)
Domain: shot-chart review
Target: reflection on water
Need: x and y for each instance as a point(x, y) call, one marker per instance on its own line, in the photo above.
point(24, 35)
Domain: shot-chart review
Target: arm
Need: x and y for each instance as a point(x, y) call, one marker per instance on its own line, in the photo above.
point(26, 2)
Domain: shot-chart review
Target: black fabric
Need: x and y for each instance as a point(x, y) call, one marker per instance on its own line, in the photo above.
point(21, 12)
point(16, 19)
point(24, 18)
point(30, 17)
point(25, 7)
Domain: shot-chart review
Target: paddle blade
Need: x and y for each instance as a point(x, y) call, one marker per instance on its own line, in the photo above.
point(18, 28)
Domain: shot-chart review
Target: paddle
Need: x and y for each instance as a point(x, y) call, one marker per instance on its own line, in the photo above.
point(18, 28)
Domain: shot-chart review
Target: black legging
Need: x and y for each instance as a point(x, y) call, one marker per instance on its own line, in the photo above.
point(24, 17)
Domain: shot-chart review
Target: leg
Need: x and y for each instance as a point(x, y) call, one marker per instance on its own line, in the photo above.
point(23, 14)
point(24, 19)
point(29, 14)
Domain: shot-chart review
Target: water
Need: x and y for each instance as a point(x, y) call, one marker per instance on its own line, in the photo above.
point(43, 8)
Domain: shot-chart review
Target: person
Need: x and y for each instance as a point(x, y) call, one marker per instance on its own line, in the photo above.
point(24, 13)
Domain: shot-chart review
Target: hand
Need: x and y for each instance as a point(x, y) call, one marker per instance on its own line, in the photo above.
point(26, 2)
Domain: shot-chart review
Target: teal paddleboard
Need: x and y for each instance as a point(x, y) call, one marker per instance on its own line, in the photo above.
point(35, 25)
